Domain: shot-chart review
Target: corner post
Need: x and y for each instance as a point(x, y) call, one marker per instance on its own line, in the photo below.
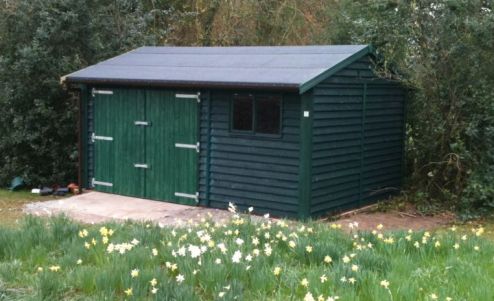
point(83, 137)
point(305, 166)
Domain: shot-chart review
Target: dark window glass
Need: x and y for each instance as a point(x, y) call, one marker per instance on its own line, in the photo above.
point(268, 114)
point(243, 112)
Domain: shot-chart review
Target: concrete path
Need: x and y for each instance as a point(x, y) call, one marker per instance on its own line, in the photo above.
point(96, 207)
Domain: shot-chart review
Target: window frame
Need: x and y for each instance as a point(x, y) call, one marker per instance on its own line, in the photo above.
point(253, 133)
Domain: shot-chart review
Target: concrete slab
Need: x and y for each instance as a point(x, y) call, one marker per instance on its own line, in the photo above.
point(97, 207)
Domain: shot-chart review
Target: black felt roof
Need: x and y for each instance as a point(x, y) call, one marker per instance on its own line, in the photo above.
point(290, 67)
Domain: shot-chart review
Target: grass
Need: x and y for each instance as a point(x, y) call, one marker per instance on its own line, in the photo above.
point(57, 259)
point(11, 203)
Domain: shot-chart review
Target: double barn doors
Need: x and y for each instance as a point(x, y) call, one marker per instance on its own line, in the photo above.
point(146, 143)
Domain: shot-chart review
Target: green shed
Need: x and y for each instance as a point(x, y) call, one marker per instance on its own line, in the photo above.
point(292, 130)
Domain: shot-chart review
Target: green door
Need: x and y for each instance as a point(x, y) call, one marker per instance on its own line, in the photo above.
point(171, 146)
point(146, 144)
point(119, 141)
point(103, 140)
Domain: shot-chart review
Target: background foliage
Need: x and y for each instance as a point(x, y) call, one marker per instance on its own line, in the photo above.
point(443, 51)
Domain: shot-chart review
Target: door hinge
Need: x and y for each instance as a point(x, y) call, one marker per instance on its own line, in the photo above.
point(196, 96)
point(139, 165)
point(104, 138)
point(196, 146)
point(195, 197)
point(100, 183)
point(142, 123)
point(104, 92)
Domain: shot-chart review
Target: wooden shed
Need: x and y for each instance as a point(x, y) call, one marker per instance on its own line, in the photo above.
point(293, 130)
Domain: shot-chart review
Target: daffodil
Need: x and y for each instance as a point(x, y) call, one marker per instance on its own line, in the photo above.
point(103, 231)
point(83, 233)
point(128, 292)
point(384, 283)
point(309, 297)
point(268, 250)
point(308, 249)
point(134, 273)
point(304, 282)
point(180, 278)
point(237, 256)
point(55, 268)
point(323, 278)
point(153, 282)
point(328, 259)
point(277, 271)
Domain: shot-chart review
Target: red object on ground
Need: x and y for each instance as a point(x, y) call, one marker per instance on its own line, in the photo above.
point(74, 188)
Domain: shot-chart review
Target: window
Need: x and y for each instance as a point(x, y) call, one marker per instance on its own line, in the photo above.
point(243, 113)
point(268, 115)
point(258, 114)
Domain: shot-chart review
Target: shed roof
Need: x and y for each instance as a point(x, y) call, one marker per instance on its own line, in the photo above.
point(282, 67)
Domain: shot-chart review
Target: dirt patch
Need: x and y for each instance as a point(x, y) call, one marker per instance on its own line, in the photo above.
point(395, 220)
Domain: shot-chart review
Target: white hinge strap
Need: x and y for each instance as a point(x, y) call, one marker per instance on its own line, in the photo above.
point(105, 138)
point(188, 196)
point(190, 146)
point(101, 183)
point(104, 92)
point(143, 123)
point(190, 96)
point(139, 165)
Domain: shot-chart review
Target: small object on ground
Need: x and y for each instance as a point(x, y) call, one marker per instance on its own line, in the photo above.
point(61, 191)
point(17, 183)
point(74, 188)
point(46, 191)
point(35, 190)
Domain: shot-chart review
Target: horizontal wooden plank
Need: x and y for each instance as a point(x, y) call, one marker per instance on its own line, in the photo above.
point(253, 173)
point(324, 183)
point(256, 188)
point(337, 152)
point(337, 130)
point(337, 137)
point(287, 184)
point(253, 158)
point(321, 146)
point(324, 169)
point(259, 207)
point(332, 190)
point(336, 107)
point(335, 159)
point(253, 165)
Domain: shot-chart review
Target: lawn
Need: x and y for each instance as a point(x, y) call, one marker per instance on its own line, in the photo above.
point(57, 259)
point(11, 203)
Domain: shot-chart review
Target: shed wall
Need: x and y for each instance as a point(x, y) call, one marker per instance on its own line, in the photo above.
point(248, 170)
point(358, 137)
